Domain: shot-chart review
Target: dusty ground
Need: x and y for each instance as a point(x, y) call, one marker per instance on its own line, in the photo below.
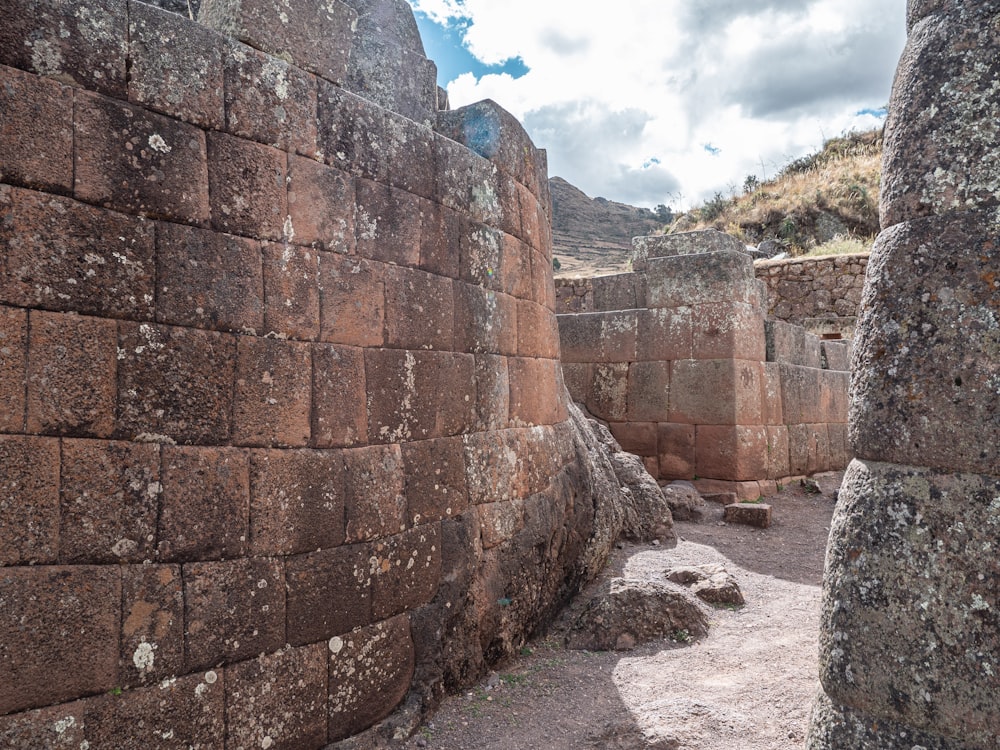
point(749, 684)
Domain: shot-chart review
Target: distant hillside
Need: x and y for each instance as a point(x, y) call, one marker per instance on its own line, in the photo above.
point(593, 236)
point(813, 200)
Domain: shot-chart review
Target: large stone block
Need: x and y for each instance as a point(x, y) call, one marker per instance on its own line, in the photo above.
point(639, 438)
point(392, 76)
point(86, 45)
point(29, 500)
point(536, 391)
point(481, 255)
point(233, 610)
point(291, 292)
point(375, 499)
point(278, 700)
point(607, 396)
point(619, 292)
point(64, 255)
point(716, 392)
point(599, 336)
point(911, 560)
point(205, 503)
point(273, 397)
point(321, 206)
point(352, 301)
point(247, 186)
point(388, 224)
point(578, 379)
point(36, 128)
point(351, 133)
point(701, 279)
point(492, 392)
point(419, 310)
point(440, 231)
point(175, 382)
point(808, 448)
point(329, 592)
point(71, 375)
point(927, 357)
point(771, 398)
point(665, 334)
point(485, 321)
point(778, 466)
point(175, 66)
point(296, 501)
point(682, 244)
point(737, 453)
point(722, 330)
point(270, 101)
point(58, 727)
point(340, 415)
point(109, 498)
point(314, 36)
point(41, 606)
point(152, 631)
point(801, 394)
point(407, 570)
point(649, 392)
point(537, 331)
point(676, 444)
point(435, 480)
point(13, 364)
point(208, 279)
point(133, 160)
point(836, 355)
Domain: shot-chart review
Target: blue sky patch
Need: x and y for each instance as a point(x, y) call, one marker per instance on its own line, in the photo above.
point(880, 112)
point(445, 46)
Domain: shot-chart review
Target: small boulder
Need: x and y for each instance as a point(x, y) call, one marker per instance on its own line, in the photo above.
point(686, 503)
point(749, 514)
point(710, 583)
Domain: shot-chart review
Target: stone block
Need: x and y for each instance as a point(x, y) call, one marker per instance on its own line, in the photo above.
point(481, 255)
point(133, 160)
point(440, 231)
point(86, 46)
point(396, 78)
point(64, 255)
point(152, 631)
point(316, 36)
point(715, 392)
point(388, 224)
point(233, 610)
point(727, 492)
point(682, 244)
point(770, 397)
point(778, 466)
point(407, 570)
point(608, 393)
point(536, 391)
point(351, 300)
point(808, 448)
point(186, 711)
point(649, 392)
point(419, 310)
point(419, 395)
point(175, 66)
point(339, 413)
point(375, 499)
point(640, 438)
point(205, 503)
point(736, 453)
point(273, 398)
point(800, 394)
point(109, 499)
point(329, 593)
point(599, 337)
point(13, 364)
point(296, 501)
point(370, 673)
point(435, 480)
point(930, 399)
point(700, 279)
point(530, 231)
point(485, 321)
point(270, 101)
point(321, 206)
point(351, 133)
point(813, 350)
point(392, 20)
point(784, 342)
point(492, 392)
point(208, 279)
point(748, 514)
point(175, 382)
point(41, 665)
point(543, 288)
point(29, 500)
point(500, 522)
point(36, 128)
point(676, 450)
point(291, 292)
point(617, 292)
point(247, 187)
point(410, 149)
point(836, 355)
point(722, 330)
point(71, 375)
point(278, 700)
point(537, 331)
point(840, 455)
point(665, 334)
point(833, 396)
point(578, 379)
point(59, 727)
point(490, 467)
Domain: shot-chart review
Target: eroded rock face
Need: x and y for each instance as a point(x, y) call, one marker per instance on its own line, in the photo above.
point(910, 643)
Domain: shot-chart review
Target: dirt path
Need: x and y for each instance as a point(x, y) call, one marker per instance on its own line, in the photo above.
point(749, 684)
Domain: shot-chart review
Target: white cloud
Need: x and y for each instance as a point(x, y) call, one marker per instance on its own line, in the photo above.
point(610, 88)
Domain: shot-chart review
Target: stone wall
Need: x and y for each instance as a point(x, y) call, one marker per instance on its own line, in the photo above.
point(284, 442)
point(910, 639)
point(677, 357)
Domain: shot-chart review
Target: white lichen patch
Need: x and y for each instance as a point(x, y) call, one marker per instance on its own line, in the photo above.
point(157, 143)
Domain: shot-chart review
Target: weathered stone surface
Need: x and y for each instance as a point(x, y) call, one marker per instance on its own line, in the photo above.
point(649, 391)
point(339, 416)
point(82, 600)
point(396, 78)
point(37, 132)
point(351, 133)
point(435, 480)
point(485, 321)
point(82, 45)
point(152, 632)
point(132, 160)
point(29, 500)
point(321, 206)
point(625, 613)
point(291, 292)
point(352, 301)
point(64, 255)
point(375, 501)
point(329, 592)
point(315, 36)
point(705, 278)
point(676, 444)
point(175, 66)
point(599, 337)
point(388, 224)
point(13, 363)
point(910, 559)
point(727, 330)
point(109, 497)
point(821, 294)
point(927, 358)
point(419, 310)
point(407, 570)
point(648, 514)
point(715, 392)
point(710, 583)
point(749, 514)
point(273, 398)
point(682, 243)
point(686, 503)
point(247, 186)
point(733, 452)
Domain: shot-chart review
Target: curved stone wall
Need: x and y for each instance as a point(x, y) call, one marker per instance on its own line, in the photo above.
point(284, 435)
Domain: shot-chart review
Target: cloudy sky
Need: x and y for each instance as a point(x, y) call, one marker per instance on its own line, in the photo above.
point(669, 101)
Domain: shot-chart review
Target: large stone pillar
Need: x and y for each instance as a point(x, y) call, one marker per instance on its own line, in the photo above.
point(910, 643)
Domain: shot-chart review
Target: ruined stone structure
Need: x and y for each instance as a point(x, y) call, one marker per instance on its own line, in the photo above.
point(678, 358)
point(910, 642)
point(820, 294)
point(284, 442)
